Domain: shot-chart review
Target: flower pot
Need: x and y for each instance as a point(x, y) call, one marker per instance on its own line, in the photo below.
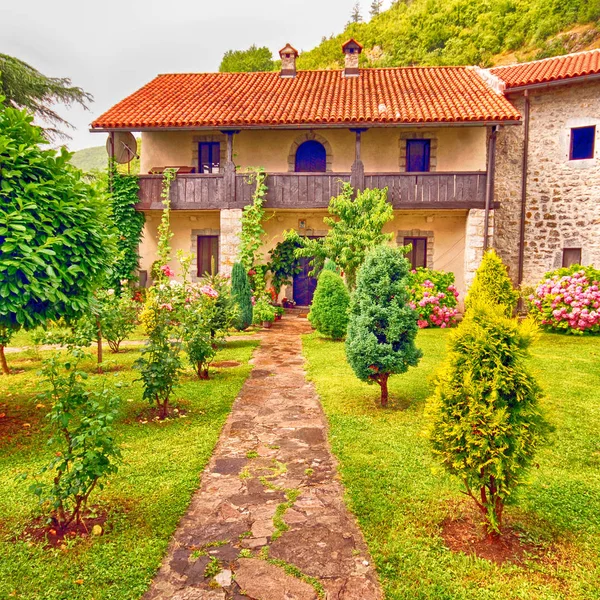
point(267, 324)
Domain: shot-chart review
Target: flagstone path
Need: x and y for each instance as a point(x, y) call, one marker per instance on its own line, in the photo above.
point(269, 521)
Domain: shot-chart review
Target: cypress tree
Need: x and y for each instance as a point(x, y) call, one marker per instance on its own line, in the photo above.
point(485, 422)
point(492, 285)
point(242, 295)
point(382, 326)
point(329, 310)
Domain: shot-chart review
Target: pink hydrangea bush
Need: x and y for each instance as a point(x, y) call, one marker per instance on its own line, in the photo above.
point(434, 297)
point(568, 300)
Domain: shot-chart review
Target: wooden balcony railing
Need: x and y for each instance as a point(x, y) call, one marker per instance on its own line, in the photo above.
point(314, 190)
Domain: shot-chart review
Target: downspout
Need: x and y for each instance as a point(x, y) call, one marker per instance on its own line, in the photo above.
point(523, 189)
point(489, 191)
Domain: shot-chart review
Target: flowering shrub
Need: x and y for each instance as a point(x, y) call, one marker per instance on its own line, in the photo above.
point(434, 297)
point(568, 300)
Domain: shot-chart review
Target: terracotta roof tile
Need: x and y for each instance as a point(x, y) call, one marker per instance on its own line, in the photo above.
point(550, 69)
point(395, 95)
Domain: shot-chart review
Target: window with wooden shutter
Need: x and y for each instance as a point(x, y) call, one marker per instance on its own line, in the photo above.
point(418, 253)
point(571, 256)
point(208, 255)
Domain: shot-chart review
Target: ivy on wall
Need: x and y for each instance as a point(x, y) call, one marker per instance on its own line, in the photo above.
point(129, 224)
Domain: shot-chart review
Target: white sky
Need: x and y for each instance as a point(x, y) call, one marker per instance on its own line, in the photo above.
point(113, 47)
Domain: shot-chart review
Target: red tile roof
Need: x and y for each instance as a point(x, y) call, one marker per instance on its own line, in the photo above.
point(549, 69)
point(395, 95)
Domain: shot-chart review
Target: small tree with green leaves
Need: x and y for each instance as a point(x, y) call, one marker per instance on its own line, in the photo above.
point(329, 311)
point(485, 422)
point(492, 285)
point(56, 238)
point(382, 327)
point(356, 225)
point(253, 59)
point(242, 296)
point(85, 449)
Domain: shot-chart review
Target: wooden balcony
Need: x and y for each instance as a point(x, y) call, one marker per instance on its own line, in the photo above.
point(314, 190)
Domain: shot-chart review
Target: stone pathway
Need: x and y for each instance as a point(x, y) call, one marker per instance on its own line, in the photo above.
point(269, 522)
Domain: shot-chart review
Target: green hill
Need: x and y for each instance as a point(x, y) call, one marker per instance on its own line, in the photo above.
point(466, 32)
point(90, 159)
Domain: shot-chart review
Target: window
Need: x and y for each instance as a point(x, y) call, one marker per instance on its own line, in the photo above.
point(582, 143)
point(311, 157)
point(417, 155)
point(418, 253)
point(209, 157)
point(571, 256)
point(208, 255)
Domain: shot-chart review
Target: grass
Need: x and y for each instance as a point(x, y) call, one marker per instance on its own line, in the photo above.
point(162, 464)
point(400, 499)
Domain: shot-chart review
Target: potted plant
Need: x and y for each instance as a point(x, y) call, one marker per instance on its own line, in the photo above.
point(279, 311)
point(264, 313)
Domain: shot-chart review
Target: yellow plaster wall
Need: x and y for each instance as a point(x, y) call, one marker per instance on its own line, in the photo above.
point(448, 228)
point(458, 148)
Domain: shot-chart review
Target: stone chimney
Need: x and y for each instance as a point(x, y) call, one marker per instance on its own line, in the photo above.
point(288, 56)
point(351, 51)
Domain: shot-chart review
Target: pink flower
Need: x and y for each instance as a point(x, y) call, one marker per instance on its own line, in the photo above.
point(166, 269)
point(209, 291)
point(167, 306)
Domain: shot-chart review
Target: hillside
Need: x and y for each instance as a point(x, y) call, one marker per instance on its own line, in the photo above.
point(95, 159)
point(466, 32)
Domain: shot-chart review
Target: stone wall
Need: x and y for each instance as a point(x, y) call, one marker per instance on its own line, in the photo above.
point(563, 196)
point(229, 240)
point(474, 242)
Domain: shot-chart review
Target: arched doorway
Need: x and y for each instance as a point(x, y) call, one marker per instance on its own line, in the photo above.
point(311, 157)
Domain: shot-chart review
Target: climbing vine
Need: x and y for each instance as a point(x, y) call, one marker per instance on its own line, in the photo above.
point(252, 221)
point(128, 223)
point(164, 229)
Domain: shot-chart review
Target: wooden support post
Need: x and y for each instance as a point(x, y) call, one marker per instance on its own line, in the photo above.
point(229, 171)
point(357, 177)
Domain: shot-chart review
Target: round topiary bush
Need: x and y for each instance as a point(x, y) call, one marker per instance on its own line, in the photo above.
point(242, 296)
point(382, 326)
point(492, 285)
point(329, 310)
point(568, 300)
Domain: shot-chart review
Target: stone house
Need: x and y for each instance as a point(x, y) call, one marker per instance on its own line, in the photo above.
point(429, 134)
point(548, 170)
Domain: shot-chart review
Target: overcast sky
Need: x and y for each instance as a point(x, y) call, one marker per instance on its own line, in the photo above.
point(113, 47)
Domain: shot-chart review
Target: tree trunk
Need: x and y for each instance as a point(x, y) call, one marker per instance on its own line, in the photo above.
point(99, 341)
point(3, 362)
point(383, 383)
point(202, 371)
point(163, 410)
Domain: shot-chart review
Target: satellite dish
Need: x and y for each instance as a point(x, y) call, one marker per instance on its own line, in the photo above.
point(125, 148)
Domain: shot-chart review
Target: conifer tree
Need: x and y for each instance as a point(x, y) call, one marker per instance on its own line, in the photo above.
point(329, 310)
point(242, 296)
point(355, 16)
point(492, 285)
point(382, 326)
point(376, 7)
point(485, 422)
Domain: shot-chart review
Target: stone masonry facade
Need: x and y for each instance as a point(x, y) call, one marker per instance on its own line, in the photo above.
point(563, 196)
point(229, 238)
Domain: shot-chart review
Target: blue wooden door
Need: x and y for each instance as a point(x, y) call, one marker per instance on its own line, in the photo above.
point(304, 284)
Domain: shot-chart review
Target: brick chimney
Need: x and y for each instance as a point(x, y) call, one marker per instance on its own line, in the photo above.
point(351, 51)
point(288, 56)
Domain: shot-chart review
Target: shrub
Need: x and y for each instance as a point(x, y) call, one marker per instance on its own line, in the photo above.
point(264, 312)
point(434, 297)
point(242, 296)
point(85, 451)
point(484, 418)
point(568, 300)
point(117, 315)
point(329, 310)
point(492, 285)
point(382, 326)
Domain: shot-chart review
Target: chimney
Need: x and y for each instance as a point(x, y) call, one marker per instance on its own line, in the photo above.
point(288, 56)
point(351, 51)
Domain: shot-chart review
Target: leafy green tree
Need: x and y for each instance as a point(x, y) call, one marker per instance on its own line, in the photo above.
point(382, 327)
point(242, 296)
point(329, 311)
point(356, 225)
point(284, 264)
point(485, 419)
point(56, 238)
point(242, 61)
point(23, 86)
point(355, 15)
point(492, 285)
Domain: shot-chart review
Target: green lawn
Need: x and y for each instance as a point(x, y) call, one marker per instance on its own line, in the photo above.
point(400, 499)
point(162, 465)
